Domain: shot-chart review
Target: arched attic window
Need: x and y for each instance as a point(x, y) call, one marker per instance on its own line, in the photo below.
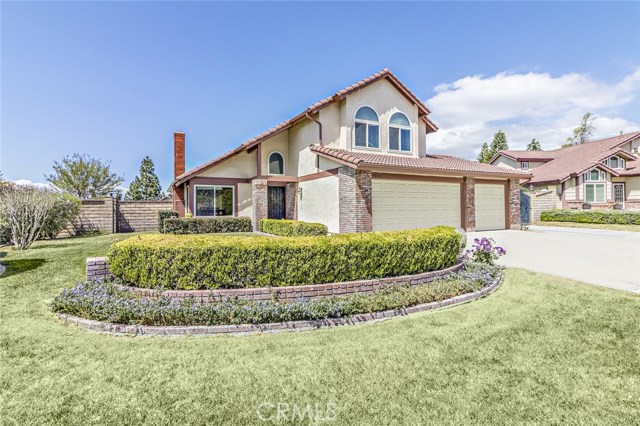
point(367, 128)
point(399, 133)
point(276, 163)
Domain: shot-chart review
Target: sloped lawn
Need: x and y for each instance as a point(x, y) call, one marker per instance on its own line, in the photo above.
point(541, 350)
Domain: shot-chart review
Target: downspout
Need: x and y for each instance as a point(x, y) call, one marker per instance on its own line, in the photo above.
point(310, 117)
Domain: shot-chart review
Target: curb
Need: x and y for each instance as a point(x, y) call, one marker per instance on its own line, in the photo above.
point(244, 329)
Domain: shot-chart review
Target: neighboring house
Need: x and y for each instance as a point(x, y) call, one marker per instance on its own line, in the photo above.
point(356, 161)
point(602, 174)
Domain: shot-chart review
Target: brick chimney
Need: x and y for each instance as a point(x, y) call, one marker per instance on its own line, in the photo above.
point(178, 169)
point(178, 154)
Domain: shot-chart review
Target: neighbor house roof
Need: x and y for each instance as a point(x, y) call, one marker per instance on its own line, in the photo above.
point(423, 111)
point(561, 164)
point(444, 164)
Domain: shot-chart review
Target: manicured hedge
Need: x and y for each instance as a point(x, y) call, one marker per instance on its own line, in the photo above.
point(591, 216)
point(207, 225)
point(165, 214)
point(291, 228)
point(192, 262)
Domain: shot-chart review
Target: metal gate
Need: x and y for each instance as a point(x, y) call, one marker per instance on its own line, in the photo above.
point(525, 208)
point(276, 207)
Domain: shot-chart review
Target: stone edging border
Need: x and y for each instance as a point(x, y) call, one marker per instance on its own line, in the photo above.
point(286, 294)
point(243, 329)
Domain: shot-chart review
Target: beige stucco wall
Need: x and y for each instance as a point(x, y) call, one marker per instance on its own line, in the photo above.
point(332, 121)
point(386, 101)
point(319, 202)
point(245, 204)
point(278, 143)
point(241, 166)
point(631, 186)
point(301, 136)
point(505, 162)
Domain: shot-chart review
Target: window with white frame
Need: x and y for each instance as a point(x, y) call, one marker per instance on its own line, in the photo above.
point(213, 200)
point(595, 192)
point(276, 163)
point(524, 165)
point(399, 133)
point(594, 175)
point(616, 162)
point(367, 128)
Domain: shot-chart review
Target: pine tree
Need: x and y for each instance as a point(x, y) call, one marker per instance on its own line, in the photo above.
point(534, 145)
point(146, 186)
point(484, 157)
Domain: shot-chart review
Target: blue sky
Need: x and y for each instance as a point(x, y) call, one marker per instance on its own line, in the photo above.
point(115, 79)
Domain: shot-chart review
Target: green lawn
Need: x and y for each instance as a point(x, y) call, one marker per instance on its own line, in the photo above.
point(609, 226)
point(541, 350)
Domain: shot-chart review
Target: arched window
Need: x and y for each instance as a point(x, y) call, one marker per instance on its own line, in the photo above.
point(276, 164)
point(399, 133)
point(367, 128)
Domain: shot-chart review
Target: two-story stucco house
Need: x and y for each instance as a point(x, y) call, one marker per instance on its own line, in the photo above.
point(356, 161)
point(602, 174)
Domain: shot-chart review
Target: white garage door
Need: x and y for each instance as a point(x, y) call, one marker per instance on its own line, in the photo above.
point(398, 204)
point(490, 209)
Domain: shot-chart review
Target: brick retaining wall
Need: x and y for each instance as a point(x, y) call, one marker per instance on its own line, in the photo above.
point(97, 268)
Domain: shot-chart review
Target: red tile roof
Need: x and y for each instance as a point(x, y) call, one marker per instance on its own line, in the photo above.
point(567, 162)
point(431, 163)
point(341, 94)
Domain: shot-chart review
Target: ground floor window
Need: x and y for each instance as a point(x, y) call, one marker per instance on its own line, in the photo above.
point(214, 200)
point(595, 193)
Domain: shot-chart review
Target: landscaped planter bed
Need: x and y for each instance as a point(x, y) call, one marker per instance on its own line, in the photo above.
point(105, 301)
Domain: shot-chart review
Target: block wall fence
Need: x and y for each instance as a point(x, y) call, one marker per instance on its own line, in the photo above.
point(112, 216)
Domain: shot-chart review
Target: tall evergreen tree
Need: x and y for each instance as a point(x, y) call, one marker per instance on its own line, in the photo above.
point(483, 156)
point(584, 131)
point(145, 186)
point(534, 145)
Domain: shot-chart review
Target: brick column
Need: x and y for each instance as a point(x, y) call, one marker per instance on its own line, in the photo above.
point(259, 200)
point(469, 199)
point(514, 203)
point(291, 194)
point(355, 200)
point(97, 268)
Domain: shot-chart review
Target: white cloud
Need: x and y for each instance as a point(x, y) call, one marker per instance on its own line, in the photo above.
point(37, 184)
point(470, 110)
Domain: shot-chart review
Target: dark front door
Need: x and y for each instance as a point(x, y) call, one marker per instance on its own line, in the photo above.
point(525, 208)
point(276, 202)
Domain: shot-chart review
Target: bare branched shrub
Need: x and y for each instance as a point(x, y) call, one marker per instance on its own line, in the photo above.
point(26, 209)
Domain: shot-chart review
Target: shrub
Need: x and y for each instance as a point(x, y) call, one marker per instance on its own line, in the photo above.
point(107, 301)
point(291, 228)
point(65, 209)
point(207, 225)
point(5, 232)
point(484, 251)
point(591, 216)
point(165, 214)
point(191, 262)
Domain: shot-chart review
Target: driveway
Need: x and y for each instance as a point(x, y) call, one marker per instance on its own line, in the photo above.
point(607, 258)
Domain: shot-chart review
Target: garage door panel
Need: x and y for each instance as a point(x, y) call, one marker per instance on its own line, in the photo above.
point(413, 204)
point(490, 207)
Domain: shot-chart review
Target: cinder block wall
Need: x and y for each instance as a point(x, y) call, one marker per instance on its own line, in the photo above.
point(111, 216)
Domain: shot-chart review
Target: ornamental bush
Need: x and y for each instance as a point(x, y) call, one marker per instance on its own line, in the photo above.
point(107, 301)
point(191, 262)
point(291, 228)
point(207, 225)
point(485, 251)
point(165, 214)
point(591, 216)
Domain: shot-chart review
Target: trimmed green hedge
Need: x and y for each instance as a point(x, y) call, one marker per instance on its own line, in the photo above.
point(207, 225)
point(165, 214)
point(193, 262)
point(292, 228)
point(591, 216)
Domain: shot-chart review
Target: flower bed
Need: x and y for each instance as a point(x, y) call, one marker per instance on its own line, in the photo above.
point(201, 262)
point(106, 301)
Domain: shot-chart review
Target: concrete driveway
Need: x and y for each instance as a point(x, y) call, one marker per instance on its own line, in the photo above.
point(607, 258)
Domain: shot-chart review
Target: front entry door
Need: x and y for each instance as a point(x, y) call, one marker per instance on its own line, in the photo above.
point(618, 193)
point(277, 207)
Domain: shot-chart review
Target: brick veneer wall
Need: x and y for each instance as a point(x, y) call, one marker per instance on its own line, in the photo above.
point(291, 193)
point(259, 196)
point(97, 268)
point(469, 204)
point(514, 203)
point(110, 215)
point(542, 201)
point(355, 200)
